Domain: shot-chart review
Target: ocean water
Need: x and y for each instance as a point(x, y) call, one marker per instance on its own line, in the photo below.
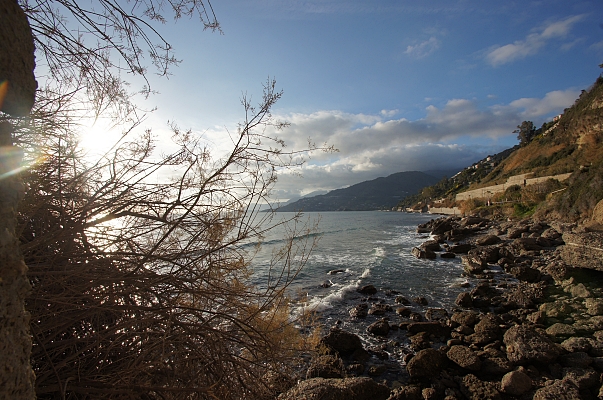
point(371, 248)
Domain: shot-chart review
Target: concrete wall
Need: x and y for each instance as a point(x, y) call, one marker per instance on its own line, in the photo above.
point(522, 180)
point(445, 210)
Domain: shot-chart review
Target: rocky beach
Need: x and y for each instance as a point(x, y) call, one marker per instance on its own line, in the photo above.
point(528, 323)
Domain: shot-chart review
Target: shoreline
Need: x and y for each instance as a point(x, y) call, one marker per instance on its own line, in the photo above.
point(528, 326)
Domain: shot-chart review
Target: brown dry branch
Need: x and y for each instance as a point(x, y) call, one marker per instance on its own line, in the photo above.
point(142, 288)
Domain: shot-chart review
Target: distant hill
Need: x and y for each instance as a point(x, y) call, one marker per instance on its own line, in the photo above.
point(376, 194)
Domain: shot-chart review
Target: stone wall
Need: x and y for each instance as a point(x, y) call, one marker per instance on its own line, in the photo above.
point(521, 180)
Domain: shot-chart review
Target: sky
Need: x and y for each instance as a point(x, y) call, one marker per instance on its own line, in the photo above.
point(394, 85)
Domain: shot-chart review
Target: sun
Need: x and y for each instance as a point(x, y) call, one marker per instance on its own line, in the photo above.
point(97, 137)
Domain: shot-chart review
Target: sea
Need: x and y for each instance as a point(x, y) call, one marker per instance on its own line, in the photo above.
point(354, 249)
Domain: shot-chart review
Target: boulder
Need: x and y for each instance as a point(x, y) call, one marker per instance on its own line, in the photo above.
point(359, 311)
point(420, 300)
point(447, 254)
point(402, 300)
point(467, 318)
point(464, 300)
point(426, 363)
point(361, 388)
point(325, 367)
point(594, 306)
point(526, 344)
point(583, 250)
point(461, 248)
point(516, 383)
point(577, 344)
point(406, 392)
point(436, 314)
point(475, 389)
point(473, 265)
point(368, 290)
point(431, 328)
point(560, 330)
point(583, 378)
point(524, 273)
point(578, 359)
point(380, 309)
point(558, 390)
point(488, 240)
point(345, 343)
point(464, 357)
point(431, 245)
point(423, 254)
point(379, 328)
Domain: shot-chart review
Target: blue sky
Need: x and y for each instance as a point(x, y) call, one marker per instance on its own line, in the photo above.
point(394, 85)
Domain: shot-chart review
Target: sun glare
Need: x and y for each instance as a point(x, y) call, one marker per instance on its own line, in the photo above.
point(98, 137)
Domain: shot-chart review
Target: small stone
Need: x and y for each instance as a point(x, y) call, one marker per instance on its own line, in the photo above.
point(368, 290)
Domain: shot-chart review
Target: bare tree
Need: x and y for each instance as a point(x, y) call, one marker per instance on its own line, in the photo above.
point(142, 287)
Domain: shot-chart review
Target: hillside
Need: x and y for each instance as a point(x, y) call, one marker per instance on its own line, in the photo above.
point(571, 144)
point(376, 194)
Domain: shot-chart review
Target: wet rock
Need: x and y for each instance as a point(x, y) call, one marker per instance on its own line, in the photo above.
point(488, 240)
point(423, 254)
point(345, 343)
point(402, 300)
point(420, 341)
point(368, 290)
point(336, 271)
point(380, 309)
point(431, 328)
point(516, 383)
point(431, 245)
point(403, 311)
point(361, 388)
point(326, 367)
point(558, 390)
point(359, 311)
point(464, 357)
point(447, 254)
point(464, 300)
point(426, 363)
point(475, 389)
point(326, 284)
point(436, 314)
point(420, 300)
point(379, 328)
point(415, 316)
point(525, 344)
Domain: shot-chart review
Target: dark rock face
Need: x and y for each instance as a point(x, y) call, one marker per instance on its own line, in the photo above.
point(423, 253)
point(464, 300)
point(488, 240)
point(461, 248)
point(583, 250)
point(361, 388)
point(473, 265)
point(426, 363)
point(431, 245)
point(475, 389)
point(526, 344)
point(359, 311)
point(343, 342)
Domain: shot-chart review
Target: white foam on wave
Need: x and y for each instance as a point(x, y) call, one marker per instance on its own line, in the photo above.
point(366, 273)
point(379, 252)
point(324, 303)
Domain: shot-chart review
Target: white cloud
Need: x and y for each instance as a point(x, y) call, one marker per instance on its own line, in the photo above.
point(532, 43)
point(455, 135)
point(424, 48)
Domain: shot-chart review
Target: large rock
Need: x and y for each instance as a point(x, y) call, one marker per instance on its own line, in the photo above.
point(362, 388)
point(488, 240)
point(426, 363)
point(423, 253)
point(526, 344)
point(583, 250)
point(473, 264)
point(431, 328)
point(325, 367)
point(558, 390)
point(475, 389)
point(516, 383)
point(464, 357)
point(345, 343)
point(379, 328)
